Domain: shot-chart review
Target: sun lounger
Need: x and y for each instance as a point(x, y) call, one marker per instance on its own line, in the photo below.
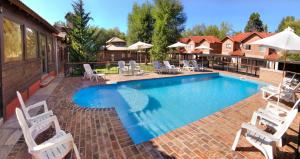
point(123, 70)
point(186, 66)
point(286, 92)
point(135, 69)
point(196, 66)
point(56, 147)
point(158, 68)
point(89, 73)
point(171, 68)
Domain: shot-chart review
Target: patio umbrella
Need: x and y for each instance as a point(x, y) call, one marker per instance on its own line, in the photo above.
point(178, 45)
point(286, 41)
point(139, 45)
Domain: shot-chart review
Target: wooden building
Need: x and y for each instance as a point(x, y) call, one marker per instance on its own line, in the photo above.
point(32, 53)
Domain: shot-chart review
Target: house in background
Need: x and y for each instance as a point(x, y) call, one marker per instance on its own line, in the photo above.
point(238, 45)
point(32, 52)
point(210, 41)
point(116, 43)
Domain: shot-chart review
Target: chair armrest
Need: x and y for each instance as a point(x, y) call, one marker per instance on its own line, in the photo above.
point(42, 115)
point(38, 104)
point(61, 140)
point(52, 119)
point(252, 128)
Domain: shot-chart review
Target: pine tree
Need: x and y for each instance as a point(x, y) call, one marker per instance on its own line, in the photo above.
point(140, 23)
point(81, 37)
point(255, 23)
point(169, 19)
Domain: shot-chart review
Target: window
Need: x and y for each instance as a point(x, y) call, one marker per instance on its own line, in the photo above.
point(228, 46)
point(12, 41)
point(262, 49)
point(248, 47)
point(49, 49)
point(31, 43)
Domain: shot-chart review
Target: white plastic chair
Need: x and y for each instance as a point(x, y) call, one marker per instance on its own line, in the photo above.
point(186, 66)
point(158, 67)
point(196, 66)
point(262, 140)
point(122, 68)
point(37, 118)
point(134, 68)
point(56, 147)
point(171, 68)
point(286, 92)
point(89, 73)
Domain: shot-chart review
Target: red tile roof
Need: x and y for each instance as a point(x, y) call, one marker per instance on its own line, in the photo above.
point(272, 56)
point(242, 36)
point(237, 53)
point(198, 39)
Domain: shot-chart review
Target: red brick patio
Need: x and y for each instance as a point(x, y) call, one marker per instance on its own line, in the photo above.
point(99, 133)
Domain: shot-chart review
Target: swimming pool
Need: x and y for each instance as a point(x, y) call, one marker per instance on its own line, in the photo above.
point(150, 108)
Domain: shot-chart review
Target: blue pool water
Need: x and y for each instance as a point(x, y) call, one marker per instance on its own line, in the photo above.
point(149, 108)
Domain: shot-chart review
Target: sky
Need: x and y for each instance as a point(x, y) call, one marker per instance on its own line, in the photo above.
point(113, 13)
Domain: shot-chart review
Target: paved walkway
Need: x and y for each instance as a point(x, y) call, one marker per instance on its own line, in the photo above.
point(99, 132)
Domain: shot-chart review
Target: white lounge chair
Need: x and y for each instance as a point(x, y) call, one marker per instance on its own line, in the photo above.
point(196, 66)
point(286, 92)
point(158, 67)
point(187, 67)
point(171, 68)
point(56, 147)
point(123, 69)
point(35, 119)
point(134, 68)
point(262, 140)
point(89, 73)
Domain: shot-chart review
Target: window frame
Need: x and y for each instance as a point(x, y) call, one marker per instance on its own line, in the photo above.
point(247, 47)
point(22, 56)
point(228, 44)
point(37, 43)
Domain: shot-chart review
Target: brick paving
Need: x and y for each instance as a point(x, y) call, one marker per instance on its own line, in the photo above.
point(99, 133)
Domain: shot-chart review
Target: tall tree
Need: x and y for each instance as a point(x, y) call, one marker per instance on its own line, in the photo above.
point(198, 29)
point(140, 23)
point(80, 35)
point(254, 23)
point(212, 30)
point(224, 30)
point(285, 22)
point(106, 34)
point(169, 23)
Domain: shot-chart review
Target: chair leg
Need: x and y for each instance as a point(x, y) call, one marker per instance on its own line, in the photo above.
point(76, 151)
point(236, 140)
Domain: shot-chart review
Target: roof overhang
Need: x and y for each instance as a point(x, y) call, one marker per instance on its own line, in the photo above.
point(29, 11)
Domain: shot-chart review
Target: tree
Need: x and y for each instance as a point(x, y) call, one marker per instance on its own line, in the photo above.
point(224, 29)
point(169, 19)
point(289, 21)
point(106, 34)
point(82, 46)
point(196, 30)
point(254, 23)
point(140, 23)
point(212, 30)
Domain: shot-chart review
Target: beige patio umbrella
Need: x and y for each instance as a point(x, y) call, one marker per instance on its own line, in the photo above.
point(178, 45)
point(139, 46)
point(286, 41)
point(203, 47)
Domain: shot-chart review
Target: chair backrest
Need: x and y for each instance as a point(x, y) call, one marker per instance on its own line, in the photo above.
point(186, 63)
point(286, 124)
point(167, 64)
point(156, 65)
point(23, 106)
point(88, 69)
point(296, 87)
point(194, 62)
point(121, 64)
point(25, 129)
point(132, 64)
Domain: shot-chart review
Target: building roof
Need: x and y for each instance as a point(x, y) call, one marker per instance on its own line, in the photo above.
point(30, 12)
point(242, 36)
point(116, 48)
point(237, 53)
point(115, 39)
point(198, 39)
point(272, 56)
